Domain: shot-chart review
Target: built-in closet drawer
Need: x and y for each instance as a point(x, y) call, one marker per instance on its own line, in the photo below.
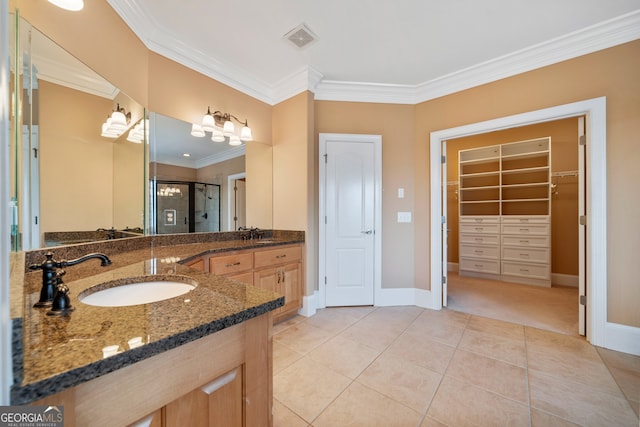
point(528, 241)
point(528, 254)
point(487, 219)
point(526, 229)
point(528, 270)
point(480, 266)
point(479, 251)
point(479, 239)
point(531, 219)
point(479, 228)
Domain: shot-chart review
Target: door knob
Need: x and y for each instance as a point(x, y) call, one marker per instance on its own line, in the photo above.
point(367, 231)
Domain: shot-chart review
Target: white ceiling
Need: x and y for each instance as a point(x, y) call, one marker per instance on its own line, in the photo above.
point(403, 51)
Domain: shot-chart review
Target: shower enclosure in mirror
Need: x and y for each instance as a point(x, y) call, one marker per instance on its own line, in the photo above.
point(187, 207)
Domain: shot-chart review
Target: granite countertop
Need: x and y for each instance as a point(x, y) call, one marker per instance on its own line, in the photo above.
point(53, 353)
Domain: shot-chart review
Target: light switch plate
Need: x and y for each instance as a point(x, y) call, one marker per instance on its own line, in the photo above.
point(400, 193)
point(404, 216)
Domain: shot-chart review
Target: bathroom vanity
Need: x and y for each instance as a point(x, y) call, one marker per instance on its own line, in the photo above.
point(202, 358)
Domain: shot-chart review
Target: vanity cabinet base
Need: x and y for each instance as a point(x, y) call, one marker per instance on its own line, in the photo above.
point(223, 379)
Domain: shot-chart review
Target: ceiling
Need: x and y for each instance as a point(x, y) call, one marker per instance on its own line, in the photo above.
point(405, 51)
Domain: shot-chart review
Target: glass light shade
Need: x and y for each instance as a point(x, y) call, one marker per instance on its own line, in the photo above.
point(197, 130)
point(234, 140)
point(72, 5)
point(208, 123)
point(228, 129)
point(107, 132)
point(217, 135)
point(132, 137)
point(118, 121)
point(245, 134)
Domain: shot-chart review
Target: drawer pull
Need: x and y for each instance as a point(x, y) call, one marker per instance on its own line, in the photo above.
point(524, 230)
point(478, 219)
point(478, 265)
point(524, 270)
point(281, 256)
point(524, 241)
point(478, 239)
point(479, 228)
point(478, 251)
point(524, 220)
point(234, 264)
point(524, 255)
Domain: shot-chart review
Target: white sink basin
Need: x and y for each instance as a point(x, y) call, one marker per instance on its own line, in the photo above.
point(139, 292)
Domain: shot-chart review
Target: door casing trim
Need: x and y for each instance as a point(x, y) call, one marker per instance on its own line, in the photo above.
point(594, 111)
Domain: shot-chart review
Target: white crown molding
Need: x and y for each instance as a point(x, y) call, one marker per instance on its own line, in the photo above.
point(603, 35)
point(306, 78)
point(73, 77)
point(221, 157)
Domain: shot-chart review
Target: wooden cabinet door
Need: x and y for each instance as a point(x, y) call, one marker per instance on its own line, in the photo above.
point(288, 284)
point(217, 404)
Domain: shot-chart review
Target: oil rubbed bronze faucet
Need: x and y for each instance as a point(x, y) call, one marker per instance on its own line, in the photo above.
point(52, 281)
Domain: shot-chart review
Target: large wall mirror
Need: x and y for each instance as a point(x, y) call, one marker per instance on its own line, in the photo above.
point(72, 181)
point(71, 184)
point(201, 185)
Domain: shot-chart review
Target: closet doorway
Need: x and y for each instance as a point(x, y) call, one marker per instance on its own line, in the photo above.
point(490, 273)
point(593, 267)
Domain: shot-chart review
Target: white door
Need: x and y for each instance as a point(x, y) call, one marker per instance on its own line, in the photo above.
point(445, 230)
point(350, 220)
point(239, 203)
point(582, 288)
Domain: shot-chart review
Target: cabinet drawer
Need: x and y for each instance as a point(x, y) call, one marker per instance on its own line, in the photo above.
point(526, 241)
point(479, 228)
point(479, 239)
point(479, 251)
point(520, 269)
point(284, 254)
point(510, 253)
point(514, 219)
point(529, 229)
point(231, 264)
point(482, 266)
point(480, 219)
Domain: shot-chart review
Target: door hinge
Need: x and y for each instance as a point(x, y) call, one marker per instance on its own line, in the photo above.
point(583, 300)
point(444, 280)
point(35, 153)
point(325, 280)
point(325, 158)
point(36, 219)
point(583, 220)
point(582, 140)
point(443, 160)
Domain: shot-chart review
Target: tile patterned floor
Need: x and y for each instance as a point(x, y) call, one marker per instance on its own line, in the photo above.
point(408, 366)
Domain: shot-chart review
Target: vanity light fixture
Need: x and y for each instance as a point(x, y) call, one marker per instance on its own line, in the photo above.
point(221, 127)
point(72, 5)
point(116, 123)
point(137, 134)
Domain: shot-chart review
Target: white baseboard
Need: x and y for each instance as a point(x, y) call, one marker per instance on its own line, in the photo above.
point(622, 338)
point(564, 280)
point(309, 305)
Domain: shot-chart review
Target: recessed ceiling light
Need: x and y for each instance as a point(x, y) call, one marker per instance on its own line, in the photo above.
point(186, 155)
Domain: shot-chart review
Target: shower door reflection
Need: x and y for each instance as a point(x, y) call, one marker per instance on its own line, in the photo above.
point(187, 207)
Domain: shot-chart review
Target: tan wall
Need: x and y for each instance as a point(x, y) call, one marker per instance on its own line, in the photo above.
point(259, 188)
point(173, 173)
point(293, 166)
point(395, 123)
point(76, 163)
point(612, 73)
point(564, 201)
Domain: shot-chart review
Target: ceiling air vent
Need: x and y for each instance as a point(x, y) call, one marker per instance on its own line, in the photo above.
point(301, 36)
